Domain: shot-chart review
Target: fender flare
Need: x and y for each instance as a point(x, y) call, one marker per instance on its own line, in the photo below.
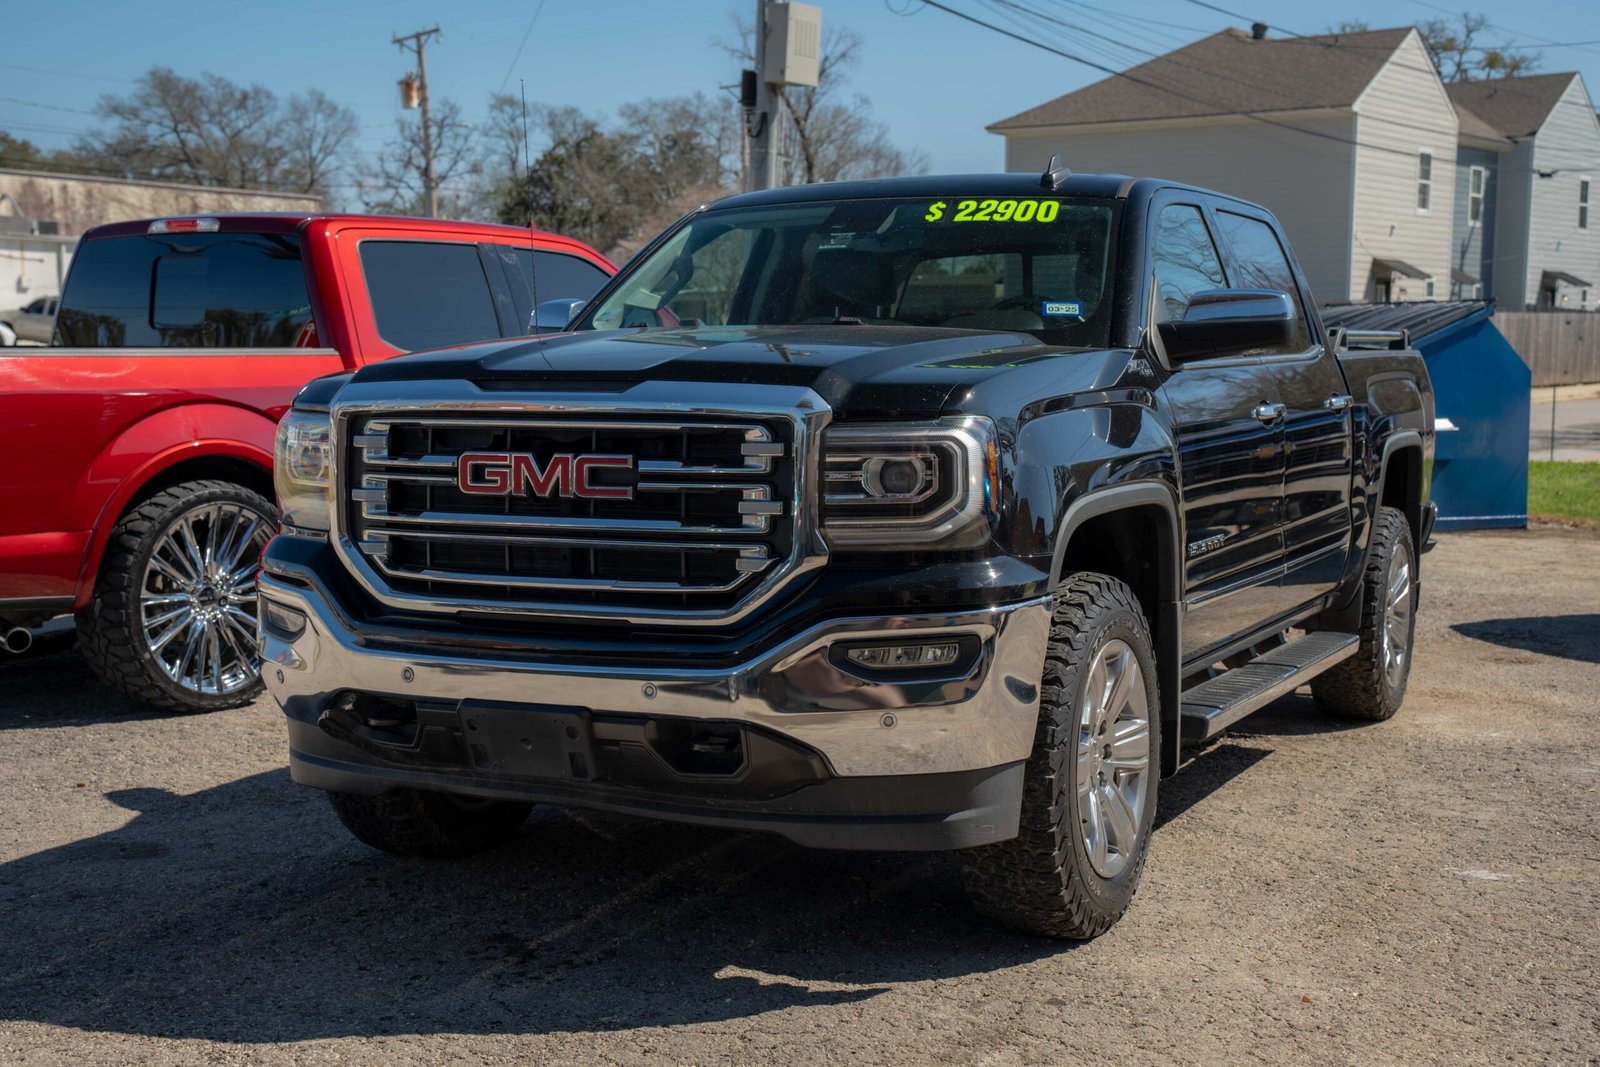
point(215, 431)
point(1120, 497)
point(1399, 441)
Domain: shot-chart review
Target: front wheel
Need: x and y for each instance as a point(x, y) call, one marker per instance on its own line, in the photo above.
point(1089, 795)
point(173, 619)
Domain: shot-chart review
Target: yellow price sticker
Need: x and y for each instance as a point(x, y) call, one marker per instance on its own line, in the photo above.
point(995, 211)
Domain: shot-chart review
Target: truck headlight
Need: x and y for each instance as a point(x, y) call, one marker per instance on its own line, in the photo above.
point(885, 486)
point(302, 471)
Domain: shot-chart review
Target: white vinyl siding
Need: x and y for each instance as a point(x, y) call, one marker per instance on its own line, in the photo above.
point(1302, 178)
point(1567, 144)
point(1394, 117)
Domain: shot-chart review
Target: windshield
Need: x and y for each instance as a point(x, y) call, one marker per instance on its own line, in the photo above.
point(1033, 264)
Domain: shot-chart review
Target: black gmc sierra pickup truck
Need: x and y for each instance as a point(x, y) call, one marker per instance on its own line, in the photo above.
point(923, 513)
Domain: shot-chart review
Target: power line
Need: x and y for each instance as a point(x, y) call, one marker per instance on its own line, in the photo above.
point(68, 74)
point(1531, 36)
point(523, 44)
point(1191, 98)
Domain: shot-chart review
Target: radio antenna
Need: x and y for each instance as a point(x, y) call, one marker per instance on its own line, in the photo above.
point(527, 173)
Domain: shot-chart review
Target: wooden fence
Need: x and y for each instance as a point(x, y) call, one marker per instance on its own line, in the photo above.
point(1560, 347)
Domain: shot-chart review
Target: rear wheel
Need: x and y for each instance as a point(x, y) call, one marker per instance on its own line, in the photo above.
point(1089, 797)
point(412, 822)
point(173, 619)
point(1371, 684)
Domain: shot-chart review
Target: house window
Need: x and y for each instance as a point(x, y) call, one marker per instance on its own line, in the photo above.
point(1476, 177)
point(1429, 289)
point(1583, 203)
point(1424, 180)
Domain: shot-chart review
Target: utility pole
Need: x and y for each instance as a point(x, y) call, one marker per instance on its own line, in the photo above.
point(417, 42)
point(763, 168)
point(788, 52)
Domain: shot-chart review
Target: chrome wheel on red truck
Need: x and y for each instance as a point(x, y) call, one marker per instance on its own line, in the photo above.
point(173, 621)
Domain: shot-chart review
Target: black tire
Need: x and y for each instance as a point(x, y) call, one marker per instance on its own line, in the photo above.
point(412, 822)
point(1363, 687)
point(110, 629)
point(1043, 881)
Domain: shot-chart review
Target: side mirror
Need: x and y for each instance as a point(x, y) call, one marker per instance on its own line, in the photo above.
point(1221, 322)
point(553, 316)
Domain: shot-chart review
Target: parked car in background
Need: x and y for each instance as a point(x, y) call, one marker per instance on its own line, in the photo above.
point(32, 323)
point(920, 513)
point(137, 490)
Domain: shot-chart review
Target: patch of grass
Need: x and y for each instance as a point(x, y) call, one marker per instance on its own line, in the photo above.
point(1564, 490)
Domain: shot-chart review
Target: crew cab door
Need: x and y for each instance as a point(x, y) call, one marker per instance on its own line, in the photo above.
point(1316, 416)
point(1230, 449)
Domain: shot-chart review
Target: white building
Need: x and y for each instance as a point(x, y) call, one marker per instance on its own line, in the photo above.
point(1349, 139)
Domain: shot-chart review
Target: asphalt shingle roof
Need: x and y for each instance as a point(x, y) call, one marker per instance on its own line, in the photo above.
point(1513, 107)
point(1227, 73)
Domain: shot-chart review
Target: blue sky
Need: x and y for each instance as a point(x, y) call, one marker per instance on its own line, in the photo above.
point(934, 80)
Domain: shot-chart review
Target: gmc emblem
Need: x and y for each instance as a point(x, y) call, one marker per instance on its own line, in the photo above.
point(518, 473)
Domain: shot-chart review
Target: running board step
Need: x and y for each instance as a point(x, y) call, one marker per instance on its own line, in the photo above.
point(1217, 703)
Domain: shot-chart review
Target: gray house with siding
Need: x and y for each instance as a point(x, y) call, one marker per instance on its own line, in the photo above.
point(1534, 142)
point(1477, 188)
point(1350, 139)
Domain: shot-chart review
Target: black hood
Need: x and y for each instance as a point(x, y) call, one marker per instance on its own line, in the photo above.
point(866, 370)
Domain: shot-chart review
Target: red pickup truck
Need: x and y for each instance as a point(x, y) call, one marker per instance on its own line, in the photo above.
point(136, 487)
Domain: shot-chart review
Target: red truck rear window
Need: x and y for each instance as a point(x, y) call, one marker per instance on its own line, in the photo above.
point(192, 290)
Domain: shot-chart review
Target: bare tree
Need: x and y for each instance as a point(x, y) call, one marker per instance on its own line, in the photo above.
point(1451, 45)
point(211, 131)
point(395, 183)
point(833, 133)
point(316, 134)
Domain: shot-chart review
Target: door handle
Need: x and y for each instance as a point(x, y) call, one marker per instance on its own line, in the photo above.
point(1268, 412)
point(1337, 402)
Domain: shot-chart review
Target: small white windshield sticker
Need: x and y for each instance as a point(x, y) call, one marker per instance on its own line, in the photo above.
point(1063, 308)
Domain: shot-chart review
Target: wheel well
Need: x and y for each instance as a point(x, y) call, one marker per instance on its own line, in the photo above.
point(1131, 544)
point(1402, 488)
point(220, 468)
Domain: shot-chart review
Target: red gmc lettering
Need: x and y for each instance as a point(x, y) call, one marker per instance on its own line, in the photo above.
point(504, 473)
point(595, 492)
point(555, 479)
point(484, 473)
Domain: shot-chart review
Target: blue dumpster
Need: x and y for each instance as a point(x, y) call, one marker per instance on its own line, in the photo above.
point(1481, 389)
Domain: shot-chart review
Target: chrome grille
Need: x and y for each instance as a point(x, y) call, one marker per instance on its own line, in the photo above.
point(712, 516)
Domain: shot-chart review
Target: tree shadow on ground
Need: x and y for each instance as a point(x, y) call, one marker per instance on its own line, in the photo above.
point(1574, 637)
point(245, 913)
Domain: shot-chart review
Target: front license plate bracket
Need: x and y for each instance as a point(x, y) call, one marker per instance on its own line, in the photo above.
point(523, 741)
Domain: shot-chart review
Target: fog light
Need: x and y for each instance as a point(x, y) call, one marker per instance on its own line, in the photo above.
point(933, 654)
point(285, 622)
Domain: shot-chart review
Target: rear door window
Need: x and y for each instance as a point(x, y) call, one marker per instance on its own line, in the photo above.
point(428, 294)
point(211, 290)
point(1261, 263)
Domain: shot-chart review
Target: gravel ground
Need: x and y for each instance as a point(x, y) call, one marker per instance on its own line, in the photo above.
point(1419, 891)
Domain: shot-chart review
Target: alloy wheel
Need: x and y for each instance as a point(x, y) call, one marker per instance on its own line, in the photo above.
point(1113, 758)
point(1397, 619)
point(197, 600)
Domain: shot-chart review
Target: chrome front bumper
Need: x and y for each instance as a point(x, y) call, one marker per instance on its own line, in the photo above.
point(860, 725)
